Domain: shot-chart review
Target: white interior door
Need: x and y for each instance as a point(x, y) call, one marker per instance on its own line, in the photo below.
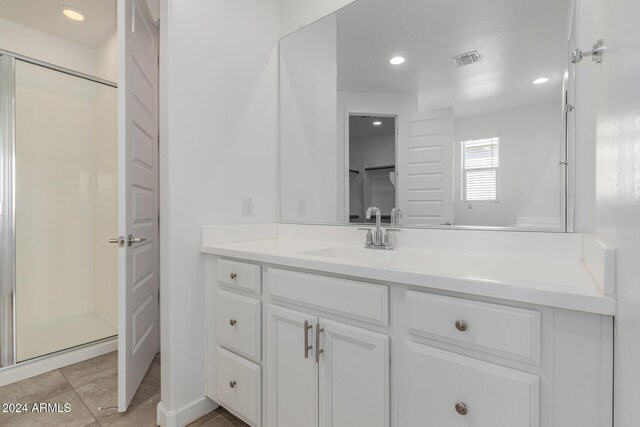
point(425, 163)
point(138, 196)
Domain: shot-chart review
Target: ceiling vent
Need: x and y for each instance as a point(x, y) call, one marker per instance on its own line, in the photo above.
point(467, 58)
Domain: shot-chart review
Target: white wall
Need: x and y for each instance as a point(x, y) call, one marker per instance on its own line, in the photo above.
point(530, 181)
point(105, 221)
point(218, 144)
point(308, 102)
point(44, 47)
point(35, 44)
point(617, 213)
point(65, 197)
point(299, 13)
point(107, 58)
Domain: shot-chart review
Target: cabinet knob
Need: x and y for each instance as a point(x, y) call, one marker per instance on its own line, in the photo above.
point(461, 325)
point(232, 322)
point(461, 408)
point(232, 384)
point(233, 275)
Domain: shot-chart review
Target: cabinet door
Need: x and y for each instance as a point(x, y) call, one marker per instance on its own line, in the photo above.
point(353, 377)
point(292, 397)
point(440, 388)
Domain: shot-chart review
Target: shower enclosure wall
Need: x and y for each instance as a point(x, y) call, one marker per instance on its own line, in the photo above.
point(58, 160)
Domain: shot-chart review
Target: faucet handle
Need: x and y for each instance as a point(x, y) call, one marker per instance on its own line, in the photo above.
point(388, 243)
point(369, 235)
point(396, 215)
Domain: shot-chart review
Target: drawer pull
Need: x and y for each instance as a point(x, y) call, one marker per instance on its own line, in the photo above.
point(233, 275)
point(307, 347)
point(461, 408)
point(461, 325)
point(318, 349)
point(232, 384)
point(233, 322)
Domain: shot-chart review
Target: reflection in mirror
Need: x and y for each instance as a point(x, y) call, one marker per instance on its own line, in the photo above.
point(372, 166)
point(449, 110)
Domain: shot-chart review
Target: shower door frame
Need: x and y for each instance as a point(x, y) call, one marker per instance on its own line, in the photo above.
point(7, 197)
point(7, 212)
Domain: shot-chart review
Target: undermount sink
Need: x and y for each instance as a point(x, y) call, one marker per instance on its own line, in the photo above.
point(369, 256)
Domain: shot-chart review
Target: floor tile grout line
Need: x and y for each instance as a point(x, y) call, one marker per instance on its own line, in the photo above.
point(112, 415)
point(95, 420)
point(75, 390)
point(65, 378)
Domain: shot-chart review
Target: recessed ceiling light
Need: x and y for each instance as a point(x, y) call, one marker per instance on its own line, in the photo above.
point(540, 81)
point(377, 123)
point(72, 13)
point(396, 60)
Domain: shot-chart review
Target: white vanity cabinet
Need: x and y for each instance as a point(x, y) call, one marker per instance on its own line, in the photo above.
point(345, 383)
point(294, 348)
point(321, 371)
point(463, 390)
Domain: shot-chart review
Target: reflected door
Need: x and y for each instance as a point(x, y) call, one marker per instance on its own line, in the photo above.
point(425, 163)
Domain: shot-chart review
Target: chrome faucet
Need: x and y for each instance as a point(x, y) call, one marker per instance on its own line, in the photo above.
point(396, 216)
point(377, 235)
point(378, 239)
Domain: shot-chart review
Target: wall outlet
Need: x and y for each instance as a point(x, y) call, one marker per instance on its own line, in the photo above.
point(247, 208)
point(302, 208)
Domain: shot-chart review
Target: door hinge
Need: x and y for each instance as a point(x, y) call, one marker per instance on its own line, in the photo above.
point(568, 108)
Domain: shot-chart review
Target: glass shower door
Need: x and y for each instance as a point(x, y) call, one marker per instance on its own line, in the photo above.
point(65, 174)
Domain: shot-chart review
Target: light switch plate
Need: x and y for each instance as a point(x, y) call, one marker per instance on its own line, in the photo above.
point(247, 208)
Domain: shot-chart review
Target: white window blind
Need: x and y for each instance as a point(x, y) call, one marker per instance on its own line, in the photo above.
point(480, 163)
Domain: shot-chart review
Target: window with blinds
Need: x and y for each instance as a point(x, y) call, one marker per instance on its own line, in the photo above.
point(480, 164)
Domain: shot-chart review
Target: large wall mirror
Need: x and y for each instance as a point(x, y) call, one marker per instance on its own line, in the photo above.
point(452, 111)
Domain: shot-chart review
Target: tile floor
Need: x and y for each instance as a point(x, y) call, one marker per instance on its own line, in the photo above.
point(91, 388)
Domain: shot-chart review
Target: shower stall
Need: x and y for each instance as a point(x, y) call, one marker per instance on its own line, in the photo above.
point(58, 209)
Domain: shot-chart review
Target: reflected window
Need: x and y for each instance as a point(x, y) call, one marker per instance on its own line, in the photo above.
point(480, 168)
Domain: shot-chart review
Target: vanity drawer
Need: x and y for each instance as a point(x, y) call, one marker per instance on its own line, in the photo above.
point(240, 274)
point(505, 331)
point(368, 302)
point(456, 391)
point(238, 323)
point(239, 385)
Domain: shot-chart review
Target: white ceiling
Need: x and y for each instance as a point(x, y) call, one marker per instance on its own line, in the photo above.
point(45, 16)
point(518, 40)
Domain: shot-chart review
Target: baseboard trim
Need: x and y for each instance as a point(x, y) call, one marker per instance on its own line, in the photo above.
point(24, 370)
point(185, 415)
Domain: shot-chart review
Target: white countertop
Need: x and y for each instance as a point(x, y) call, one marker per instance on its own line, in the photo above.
point(562, 283)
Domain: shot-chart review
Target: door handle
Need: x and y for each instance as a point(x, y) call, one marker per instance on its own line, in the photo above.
point(119, 241)
point(131, 240)
point(318, 349)
point(307, 347)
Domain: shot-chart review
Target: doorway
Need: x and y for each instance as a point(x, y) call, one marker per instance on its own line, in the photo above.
point(372, 165)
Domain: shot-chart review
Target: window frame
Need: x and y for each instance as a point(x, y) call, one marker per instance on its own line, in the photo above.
point(463, 170)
